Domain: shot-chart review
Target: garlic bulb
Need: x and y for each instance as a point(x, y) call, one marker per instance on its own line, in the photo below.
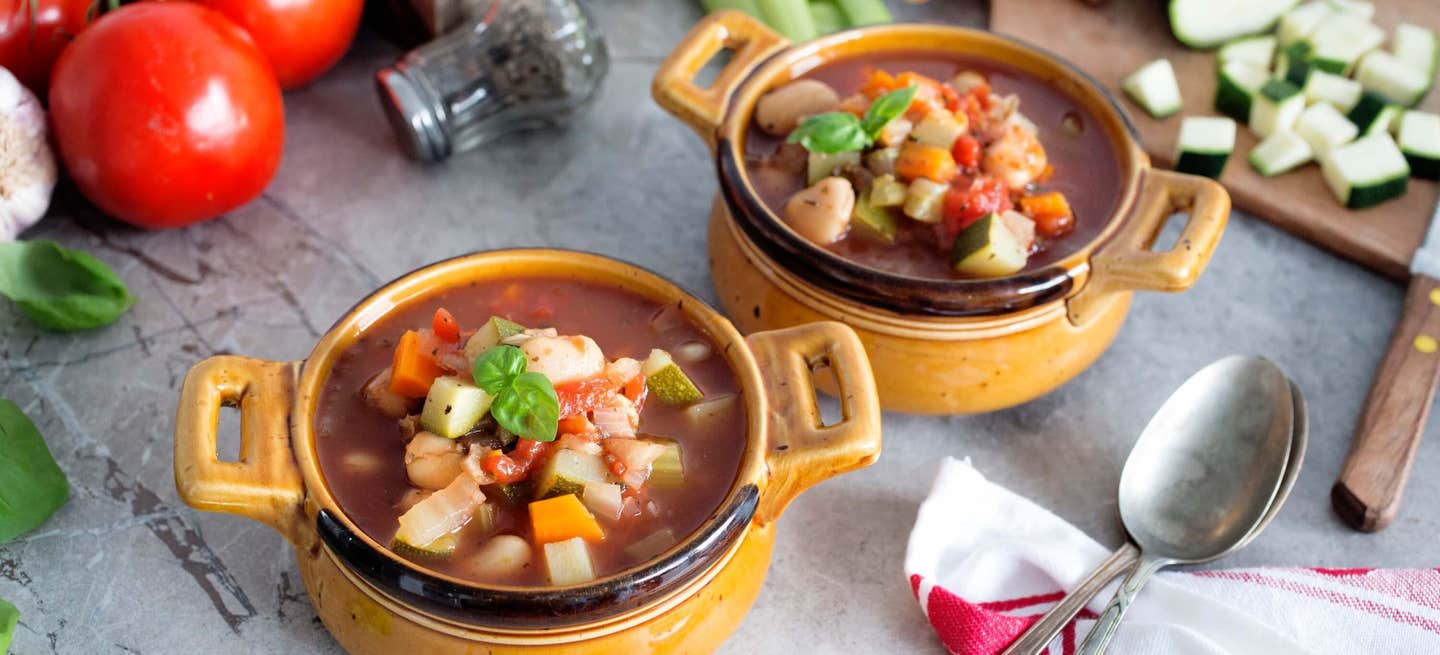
point(27, 166)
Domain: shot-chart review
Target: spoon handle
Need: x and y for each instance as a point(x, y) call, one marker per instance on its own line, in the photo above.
point(1034, 640)
point(1098, 641)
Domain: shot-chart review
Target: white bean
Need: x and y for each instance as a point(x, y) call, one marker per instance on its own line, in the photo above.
point(821, 213)
point(432, 461)
point(564, 359)
point(502, 557)
point(779, 111)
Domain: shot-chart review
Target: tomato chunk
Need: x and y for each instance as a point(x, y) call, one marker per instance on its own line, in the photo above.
point(445, 326)
point(965, 205)
point(966, 151)
point(582, 396)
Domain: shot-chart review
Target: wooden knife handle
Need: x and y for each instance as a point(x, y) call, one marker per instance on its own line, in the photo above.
point(1367, 493)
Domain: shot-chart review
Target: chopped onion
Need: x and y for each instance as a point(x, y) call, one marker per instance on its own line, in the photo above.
point(472, 466)
point(445, 511)
point(709, 410)
point(617, 418)
point(694, 351)
point(604, 499)
point(622, 371)
point(578, 443)
point(636, 456)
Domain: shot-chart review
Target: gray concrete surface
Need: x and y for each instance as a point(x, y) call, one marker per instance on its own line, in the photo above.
point(126, 567)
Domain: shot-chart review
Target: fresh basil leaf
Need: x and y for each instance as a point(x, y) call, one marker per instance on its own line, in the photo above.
point(59, 288)
point(496, 369)
point(9, 617)
point(32, 486)
point(830, 133)
point(529, 408)
point(887, 108)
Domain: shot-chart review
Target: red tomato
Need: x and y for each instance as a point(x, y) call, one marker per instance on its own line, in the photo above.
point(301, 38)
point(30, 41)
point(166, 114)
point(582, 395)
point(965, 205)
point(445, 325)
point(966, 151)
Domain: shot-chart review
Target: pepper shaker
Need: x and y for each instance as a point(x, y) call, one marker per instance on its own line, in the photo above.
point(523, 64)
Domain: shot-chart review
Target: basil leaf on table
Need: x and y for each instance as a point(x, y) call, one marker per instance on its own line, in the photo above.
point(9, 616)
point(887, 108)
point(496, 369)
point(830, 133)
point(529, 408)
point(32, 486)
point(59, 288)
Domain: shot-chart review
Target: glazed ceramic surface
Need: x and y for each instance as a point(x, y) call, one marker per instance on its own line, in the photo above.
point(686, 600)
point(938, 346)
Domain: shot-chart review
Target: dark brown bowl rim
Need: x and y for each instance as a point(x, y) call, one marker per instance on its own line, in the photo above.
point(542, 607)
point(902, 294)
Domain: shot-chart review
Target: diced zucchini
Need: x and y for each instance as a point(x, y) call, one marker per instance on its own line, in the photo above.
point(1358, 8)
point(1341, 92)
point(823, 164)
point(665, 379)
point(604, 499)
point(568, 471)
point(1388, 76)
point(1324, 127)
point(879, 222)
point(1258, 51)
point(1293, 64)
point(1366, 172)
point(568, 562)
point(925, 200)
point(1204, 145)
point(1279, 153)
point(987, 249)
point(453, 407)
point(1341, 40)
point(1420, 142)
point(1235, 92)
point(1209, 23)
point(647, 548)
point(513, 493)
point(1373, 114)
point(1154, 88)
point(668, 470)
point(490, 335)
point(444, 546)
point(886, 191)
point(1417, 47)
point(1302, 21)
point(1277, 106)
point(882, 161)
point(938, 129)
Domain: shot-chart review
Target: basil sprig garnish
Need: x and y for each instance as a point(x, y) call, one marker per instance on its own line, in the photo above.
point(59, 288)
point(839, 131)
point(525, 402)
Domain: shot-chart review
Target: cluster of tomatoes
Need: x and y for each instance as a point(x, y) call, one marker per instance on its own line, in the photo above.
point(166, 113)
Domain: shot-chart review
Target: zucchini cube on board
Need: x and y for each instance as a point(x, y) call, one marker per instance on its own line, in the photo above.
point(1374, 114)
point(1365, 172)
point(1420, 143)
point(1293, 63)
point(1204, 145)
point(1154, 88)
point(1341, 40)
point(1323, 127)
point(1280, 152)
point(1205, 24)
point(1276, 107)
point(1387, 76)
point(1258, 51)
point(1342, 92)
point(1236, 87)
point(1417, 47)
point(1301, 21)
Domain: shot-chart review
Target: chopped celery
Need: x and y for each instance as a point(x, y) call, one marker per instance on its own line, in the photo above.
point(568, 562)
point(668, 470)
point(886, 191)
point(827, 16)
point(865, 12)
point(489, 335)
point(453, 407)
point(487, 518)
point(789, 17)
point(568, 471)
point(651, 546)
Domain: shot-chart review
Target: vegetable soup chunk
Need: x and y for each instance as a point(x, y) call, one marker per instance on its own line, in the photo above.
point(533, 432)
point(932, 167)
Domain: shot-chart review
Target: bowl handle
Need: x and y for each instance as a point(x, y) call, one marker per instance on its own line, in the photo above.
point(674, 87)
point(1126, 263)
point(801, 449)
point(265, 485)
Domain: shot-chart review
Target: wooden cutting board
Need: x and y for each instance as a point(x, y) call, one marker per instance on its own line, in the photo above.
point(1112, 40)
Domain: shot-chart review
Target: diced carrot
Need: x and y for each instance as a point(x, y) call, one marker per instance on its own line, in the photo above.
point(878, 83)
point(574, 424)
point(561, 518)
point(414, 369)
point(445, 325)
point(1045, 205)
point(916, 161)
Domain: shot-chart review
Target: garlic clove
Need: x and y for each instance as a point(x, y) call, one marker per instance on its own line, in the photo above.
point(27, 165)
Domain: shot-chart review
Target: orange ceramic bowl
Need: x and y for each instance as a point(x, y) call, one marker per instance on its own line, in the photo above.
point(937, 346)
point(688, 599)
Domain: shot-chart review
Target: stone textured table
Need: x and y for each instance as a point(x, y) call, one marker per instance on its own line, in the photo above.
point(125, 567)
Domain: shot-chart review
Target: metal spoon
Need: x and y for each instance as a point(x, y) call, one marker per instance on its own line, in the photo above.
point(1034, 640)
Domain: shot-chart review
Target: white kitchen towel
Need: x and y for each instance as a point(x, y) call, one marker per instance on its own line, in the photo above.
point(985, 563)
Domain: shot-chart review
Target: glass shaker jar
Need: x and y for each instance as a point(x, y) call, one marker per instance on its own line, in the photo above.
point(523, 64)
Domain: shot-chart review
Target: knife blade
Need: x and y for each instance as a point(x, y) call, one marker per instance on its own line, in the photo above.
point(1371, 483)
